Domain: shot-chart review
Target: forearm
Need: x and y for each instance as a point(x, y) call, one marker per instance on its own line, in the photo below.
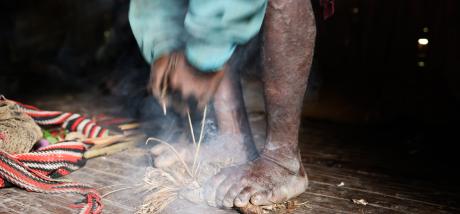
point(208, 31)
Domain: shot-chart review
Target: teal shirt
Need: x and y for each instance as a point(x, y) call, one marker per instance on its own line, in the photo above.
point(208, 31)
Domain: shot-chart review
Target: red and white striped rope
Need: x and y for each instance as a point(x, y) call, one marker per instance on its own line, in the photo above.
point(36, 171)
point(70, 121)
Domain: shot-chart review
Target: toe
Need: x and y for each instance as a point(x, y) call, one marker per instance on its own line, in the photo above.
point(243, 198)
point(158, 149)
point(166, 159)
point(223, 189)
point(230, 197)
point(209, 191)
point(262, 198)
point(279, 193)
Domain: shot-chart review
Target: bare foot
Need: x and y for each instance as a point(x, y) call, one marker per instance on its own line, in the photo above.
point(225, 150)
point(260, 182)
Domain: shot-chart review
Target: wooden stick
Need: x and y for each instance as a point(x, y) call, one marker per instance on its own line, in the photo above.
point(129, 126)
point(103, 140)
point(111, 149)
point(106, 141)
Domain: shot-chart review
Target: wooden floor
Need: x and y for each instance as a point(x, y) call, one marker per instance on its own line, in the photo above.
point(343, 163)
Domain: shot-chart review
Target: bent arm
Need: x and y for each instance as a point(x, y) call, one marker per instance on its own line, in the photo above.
point(158, 26)
point(216, 27)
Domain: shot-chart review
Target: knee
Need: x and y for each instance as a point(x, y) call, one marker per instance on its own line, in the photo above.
point(293, 17)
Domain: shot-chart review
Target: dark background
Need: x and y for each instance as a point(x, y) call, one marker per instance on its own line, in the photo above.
point(369, 70)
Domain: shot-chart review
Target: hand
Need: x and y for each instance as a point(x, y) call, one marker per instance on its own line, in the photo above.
point(172, 74)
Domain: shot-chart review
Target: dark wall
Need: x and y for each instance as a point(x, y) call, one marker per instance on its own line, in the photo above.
point(367, 65)
point(61, 45)
point(370, 68)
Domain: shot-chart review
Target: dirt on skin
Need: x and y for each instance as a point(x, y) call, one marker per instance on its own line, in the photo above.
point(18, 131)
point(179, 189)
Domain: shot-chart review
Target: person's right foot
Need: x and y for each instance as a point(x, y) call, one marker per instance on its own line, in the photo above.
point(225, 150)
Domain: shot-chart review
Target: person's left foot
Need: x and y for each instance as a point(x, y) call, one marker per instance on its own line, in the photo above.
point(260, 182)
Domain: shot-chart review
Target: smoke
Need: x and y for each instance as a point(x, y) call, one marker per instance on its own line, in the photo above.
point(91, 51)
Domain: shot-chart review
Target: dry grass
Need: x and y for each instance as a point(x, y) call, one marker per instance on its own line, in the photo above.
point(163, 186)
point(163, 189)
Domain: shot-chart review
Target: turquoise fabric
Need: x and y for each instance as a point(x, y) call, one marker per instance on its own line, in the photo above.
point(208, 31)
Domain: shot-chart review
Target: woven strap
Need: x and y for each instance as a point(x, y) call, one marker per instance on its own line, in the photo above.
point(70, 121)
point(35, 171)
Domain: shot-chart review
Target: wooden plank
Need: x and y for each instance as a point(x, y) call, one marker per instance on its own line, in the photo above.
point(331, 154)
point(384, 187)
point(28, 202)
point(330, 202)
point(377, 202)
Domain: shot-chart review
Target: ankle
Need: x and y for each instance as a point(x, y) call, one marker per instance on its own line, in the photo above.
point(289, 158)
